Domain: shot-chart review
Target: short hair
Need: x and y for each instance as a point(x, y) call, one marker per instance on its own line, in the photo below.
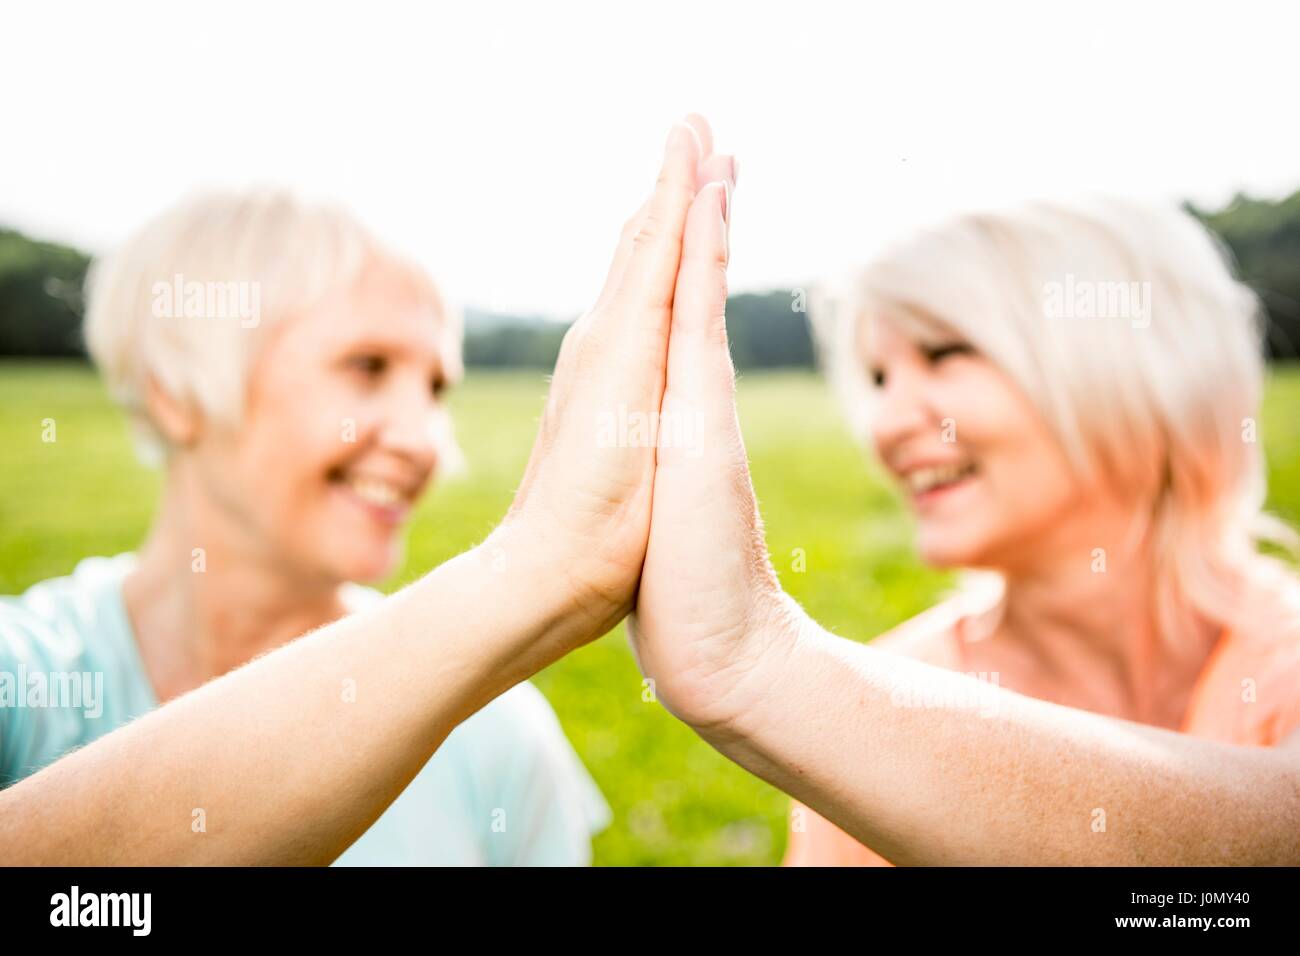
point(1178, 372)
point(292, 253)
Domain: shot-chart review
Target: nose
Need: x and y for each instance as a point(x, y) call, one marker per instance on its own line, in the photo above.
point(410, 424)
point(902, 411)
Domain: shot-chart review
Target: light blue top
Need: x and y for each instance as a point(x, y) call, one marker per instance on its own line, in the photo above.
point(505, 788)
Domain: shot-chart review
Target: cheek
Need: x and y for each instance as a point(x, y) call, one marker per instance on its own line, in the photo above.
point(295, 432)
point(297, 446)
point(306, 421)
point(299, 512)
point(1024, 486)
point(1028, 491)
point(1032, 475)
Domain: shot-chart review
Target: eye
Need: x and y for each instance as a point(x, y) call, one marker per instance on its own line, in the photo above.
point(937, 353)
point(371, 366)
point(438, 387)
point(878, 377)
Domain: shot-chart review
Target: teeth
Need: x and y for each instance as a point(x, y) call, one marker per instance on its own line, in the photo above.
point(924, 479)
point(376, 492)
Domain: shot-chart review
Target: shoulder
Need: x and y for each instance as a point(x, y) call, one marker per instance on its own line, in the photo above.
point(69, 616)
point(67, 671)
point(1266, 642)
point(931, 637)
point(1249, 690)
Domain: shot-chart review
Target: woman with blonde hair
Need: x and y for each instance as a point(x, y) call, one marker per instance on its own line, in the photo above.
point(1144, 720)
point(398, 730)
point(1067, 395)
point(290, 374)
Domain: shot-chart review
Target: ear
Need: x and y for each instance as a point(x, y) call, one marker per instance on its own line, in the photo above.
point(179, 420)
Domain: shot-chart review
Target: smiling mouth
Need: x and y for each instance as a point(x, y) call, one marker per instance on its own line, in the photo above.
point(383, 498)
point(924, 481)
point(381, 494)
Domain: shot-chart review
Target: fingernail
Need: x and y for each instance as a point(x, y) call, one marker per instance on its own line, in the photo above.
point(726, 217)
point(735, 170)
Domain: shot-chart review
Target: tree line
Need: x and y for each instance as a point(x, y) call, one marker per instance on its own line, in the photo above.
point(41, 301)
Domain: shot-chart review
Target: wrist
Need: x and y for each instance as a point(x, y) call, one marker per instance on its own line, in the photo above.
point(749, 670)
point(519, 583)
point(486, 619)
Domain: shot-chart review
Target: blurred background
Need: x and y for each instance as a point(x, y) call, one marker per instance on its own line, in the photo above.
point(502, 145)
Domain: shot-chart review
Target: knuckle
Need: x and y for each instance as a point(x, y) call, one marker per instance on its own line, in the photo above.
point(569, 343)
point(648, 231)
point(630, 227)
point(587, 353)
point(670, 190)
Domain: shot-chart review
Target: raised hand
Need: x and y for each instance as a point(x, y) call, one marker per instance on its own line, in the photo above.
point(559, 571)
point(708, 591)
point(583, 508)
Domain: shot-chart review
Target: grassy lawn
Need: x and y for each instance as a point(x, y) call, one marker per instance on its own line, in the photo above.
point(675, 800)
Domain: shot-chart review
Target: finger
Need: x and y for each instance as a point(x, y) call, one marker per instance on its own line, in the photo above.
point(650, 275)
point(720, 167)
point(700, 377)
point(709, 169)
point(621, 254)
point(702, 131)
point(713, 168)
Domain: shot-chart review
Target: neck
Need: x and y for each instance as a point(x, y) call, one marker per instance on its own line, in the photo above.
point(1095, 632)
point(198, 614)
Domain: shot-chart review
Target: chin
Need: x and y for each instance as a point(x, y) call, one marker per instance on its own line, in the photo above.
point(375, 569)
point(945, 549)
point(370, 564)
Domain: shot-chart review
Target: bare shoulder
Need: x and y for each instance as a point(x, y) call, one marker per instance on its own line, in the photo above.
point(930, 637)
point(1274, 594)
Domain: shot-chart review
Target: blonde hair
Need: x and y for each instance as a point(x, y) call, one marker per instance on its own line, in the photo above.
point(1160, 394)
point(264, 248)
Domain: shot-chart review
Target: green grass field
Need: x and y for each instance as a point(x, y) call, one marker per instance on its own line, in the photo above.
point(675, 800)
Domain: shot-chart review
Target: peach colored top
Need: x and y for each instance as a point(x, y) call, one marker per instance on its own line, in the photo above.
point(1248, 694)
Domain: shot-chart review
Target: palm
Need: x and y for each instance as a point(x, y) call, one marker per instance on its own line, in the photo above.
point(589, 483)
point(706, 580)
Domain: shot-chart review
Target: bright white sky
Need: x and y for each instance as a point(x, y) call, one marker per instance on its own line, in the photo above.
point(503, 144)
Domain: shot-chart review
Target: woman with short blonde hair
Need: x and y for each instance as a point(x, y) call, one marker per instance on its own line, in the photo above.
point(187, 302)
point(289, 372)
point(401, 732)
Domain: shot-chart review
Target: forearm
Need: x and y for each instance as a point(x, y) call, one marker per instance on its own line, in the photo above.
point(290, 758)
point(993, 777)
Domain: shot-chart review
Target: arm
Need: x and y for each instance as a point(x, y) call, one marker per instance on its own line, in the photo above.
point(292, 757)
point(289, 768)
point(828, 720)
point(1008, 780)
